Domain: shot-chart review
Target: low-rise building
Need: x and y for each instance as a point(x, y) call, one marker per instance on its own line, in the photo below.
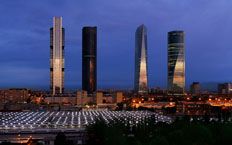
point(195, 88)
point(14, 95)
point(224, 88)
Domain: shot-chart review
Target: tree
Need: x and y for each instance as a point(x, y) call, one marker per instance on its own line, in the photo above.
point(62, 140)
point(119, 106)
point(159, 140)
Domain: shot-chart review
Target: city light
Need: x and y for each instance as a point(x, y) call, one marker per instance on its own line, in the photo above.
point(68, 119)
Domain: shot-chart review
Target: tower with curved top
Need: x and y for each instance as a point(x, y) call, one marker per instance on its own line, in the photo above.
point(140, 80)
point(176, 62)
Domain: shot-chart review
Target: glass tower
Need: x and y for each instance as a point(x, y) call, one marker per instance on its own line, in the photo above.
point(89, 59)
point(140, 80)
point(57, 56)
point(176, 62)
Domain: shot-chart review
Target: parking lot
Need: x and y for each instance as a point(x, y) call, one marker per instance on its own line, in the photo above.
point(71, 119)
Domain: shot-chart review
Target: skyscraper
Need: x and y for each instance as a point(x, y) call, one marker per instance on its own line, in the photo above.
point(140, 80)
point(57, 56)
point(89, 59)
point(176, 62)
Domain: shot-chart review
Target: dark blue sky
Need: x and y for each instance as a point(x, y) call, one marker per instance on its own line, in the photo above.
point(24, 39)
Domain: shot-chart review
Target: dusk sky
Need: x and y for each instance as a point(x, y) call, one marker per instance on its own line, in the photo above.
point(24, 39)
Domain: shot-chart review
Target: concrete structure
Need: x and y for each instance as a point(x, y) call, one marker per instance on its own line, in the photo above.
point(14, 95)
point(192, 108)
point(57, 41)
point(89, 59)
point(141, 73)
point(119, 97)
point(61, 100)
point(176, 62)
point(82, 98)
point(224, 88)
point(108, 99)
point(157, 90)
point(99, 98)
point(195, 88)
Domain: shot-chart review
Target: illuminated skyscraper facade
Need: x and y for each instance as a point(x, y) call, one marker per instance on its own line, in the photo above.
point(176, 62)
point(89, 59)
point(57, 56)
point(140, 80)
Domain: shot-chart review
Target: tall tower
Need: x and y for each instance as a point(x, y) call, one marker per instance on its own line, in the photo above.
point(176, 62)
point(140, 80)
point(89, 59)
point(57, 56)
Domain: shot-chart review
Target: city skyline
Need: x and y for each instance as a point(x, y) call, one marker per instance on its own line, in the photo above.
point(25, 53)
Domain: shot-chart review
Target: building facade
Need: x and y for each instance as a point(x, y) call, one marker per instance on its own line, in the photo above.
point(14, 95)
point(140, 80)
point(89, 59)
point(176, 62)
point(57, 43)
point(82, 98)
point(224, 88)
point(195, 88)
